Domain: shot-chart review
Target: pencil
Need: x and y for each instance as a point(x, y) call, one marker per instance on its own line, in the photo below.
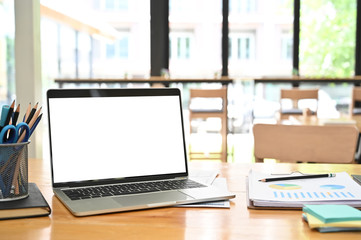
point(15, 115)
point(31, 123)
point(298, 177)
point(31, 114)
point(27, 112)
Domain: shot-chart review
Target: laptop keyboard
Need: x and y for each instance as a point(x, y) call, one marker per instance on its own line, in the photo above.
point(130, 188)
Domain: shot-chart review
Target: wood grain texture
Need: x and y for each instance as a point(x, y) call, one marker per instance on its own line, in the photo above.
point(238, 222)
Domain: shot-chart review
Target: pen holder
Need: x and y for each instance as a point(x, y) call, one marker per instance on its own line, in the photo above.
point(13, 171)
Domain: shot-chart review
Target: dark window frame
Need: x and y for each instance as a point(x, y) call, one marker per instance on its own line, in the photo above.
point(160, 37)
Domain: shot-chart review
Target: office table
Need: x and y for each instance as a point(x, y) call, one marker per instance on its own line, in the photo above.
point(152, 80)
point(238, 222)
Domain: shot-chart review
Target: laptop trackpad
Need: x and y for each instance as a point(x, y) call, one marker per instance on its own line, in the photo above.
point(151, 198)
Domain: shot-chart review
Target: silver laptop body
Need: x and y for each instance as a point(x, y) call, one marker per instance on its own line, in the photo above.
point(105, 138)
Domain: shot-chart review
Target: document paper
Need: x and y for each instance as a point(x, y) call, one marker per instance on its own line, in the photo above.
point(340, 189)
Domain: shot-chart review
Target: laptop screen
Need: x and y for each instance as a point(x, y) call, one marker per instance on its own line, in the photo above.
point(102, 134)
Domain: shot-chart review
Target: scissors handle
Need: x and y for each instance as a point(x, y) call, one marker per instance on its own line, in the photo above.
point(4, 134)
point(20, 133)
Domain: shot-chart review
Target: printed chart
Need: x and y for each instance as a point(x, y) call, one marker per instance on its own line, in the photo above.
point(325, 192)
point(340, 189)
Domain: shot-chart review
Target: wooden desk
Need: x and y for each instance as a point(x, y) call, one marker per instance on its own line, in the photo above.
point(238, 222)
point(152, 80)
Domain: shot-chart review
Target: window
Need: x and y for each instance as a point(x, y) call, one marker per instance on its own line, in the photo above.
point(180, 45)
point(110, 51)
point(327, 38)
point(241, 46)
point(242, 6)
point(113, 5)
point(118, 49)
point(7, 59)
point(123, 47)
point(113, 42)
point(286, 46)
point(260, 36)
point(195, 38)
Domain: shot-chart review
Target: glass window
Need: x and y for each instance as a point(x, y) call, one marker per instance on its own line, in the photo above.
point(109, 4)
point(286, 46)
point(113, 5)
point(180, 45)
point(327, 38)
point(242, 6)
point(67, 56)
point(123, 47)
point(84, 55)
point(195, 38)
point(110, 51)
point(242, 46)
point(260, 37)
point(7, 59)
point(50, 51)
point(113, 40)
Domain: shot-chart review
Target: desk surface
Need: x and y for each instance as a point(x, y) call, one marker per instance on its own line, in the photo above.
point(238, 222)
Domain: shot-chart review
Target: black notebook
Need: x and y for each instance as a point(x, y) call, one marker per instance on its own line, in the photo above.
point(33, 206)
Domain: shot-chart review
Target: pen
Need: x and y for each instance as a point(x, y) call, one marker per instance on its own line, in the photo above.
point(298, 177)
point(35, 124)
point(10, 113)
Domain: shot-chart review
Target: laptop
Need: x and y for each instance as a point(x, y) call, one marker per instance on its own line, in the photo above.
point(115, 150)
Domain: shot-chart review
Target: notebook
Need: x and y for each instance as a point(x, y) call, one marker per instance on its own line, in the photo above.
point(124, 149)
point(329, 213)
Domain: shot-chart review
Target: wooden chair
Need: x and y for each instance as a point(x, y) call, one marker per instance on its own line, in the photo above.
point(302, 143)
point(295, 95)
point(219, 98)
point(355, 105)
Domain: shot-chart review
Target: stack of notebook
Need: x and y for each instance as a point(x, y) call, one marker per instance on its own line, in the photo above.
point(332, 218)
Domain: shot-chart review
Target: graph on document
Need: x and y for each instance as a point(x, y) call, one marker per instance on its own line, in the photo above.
point(294, 191)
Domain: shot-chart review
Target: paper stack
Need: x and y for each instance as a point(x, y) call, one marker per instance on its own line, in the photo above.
point(332, 218)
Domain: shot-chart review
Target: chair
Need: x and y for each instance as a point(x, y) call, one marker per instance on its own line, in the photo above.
point(305, 143)
point(199, 101)
point(296, 95)
point(355, 105)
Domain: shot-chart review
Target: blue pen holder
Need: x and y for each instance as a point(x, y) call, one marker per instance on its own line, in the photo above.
point(13, 171)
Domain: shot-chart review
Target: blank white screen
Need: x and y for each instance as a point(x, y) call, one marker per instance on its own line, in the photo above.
point(114, 137)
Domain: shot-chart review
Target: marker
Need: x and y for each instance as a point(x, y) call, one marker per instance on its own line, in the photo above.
point(4, 113)
point(298, 177)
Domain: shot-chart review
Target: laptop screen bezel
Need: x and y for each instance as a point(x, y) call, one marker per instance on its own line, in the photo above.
point(114, 92)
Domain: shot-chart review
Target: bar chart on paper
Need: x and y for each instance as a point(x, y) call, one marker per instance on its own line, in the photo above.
point(339, 189)
point(325, 192)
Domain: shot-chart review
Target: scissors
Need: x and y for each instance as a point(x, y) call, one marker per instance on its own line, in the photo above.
point(14, 133)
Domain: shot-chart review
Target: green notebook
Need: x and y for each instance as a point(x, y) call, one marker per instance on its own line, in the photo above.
point(328, 213)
